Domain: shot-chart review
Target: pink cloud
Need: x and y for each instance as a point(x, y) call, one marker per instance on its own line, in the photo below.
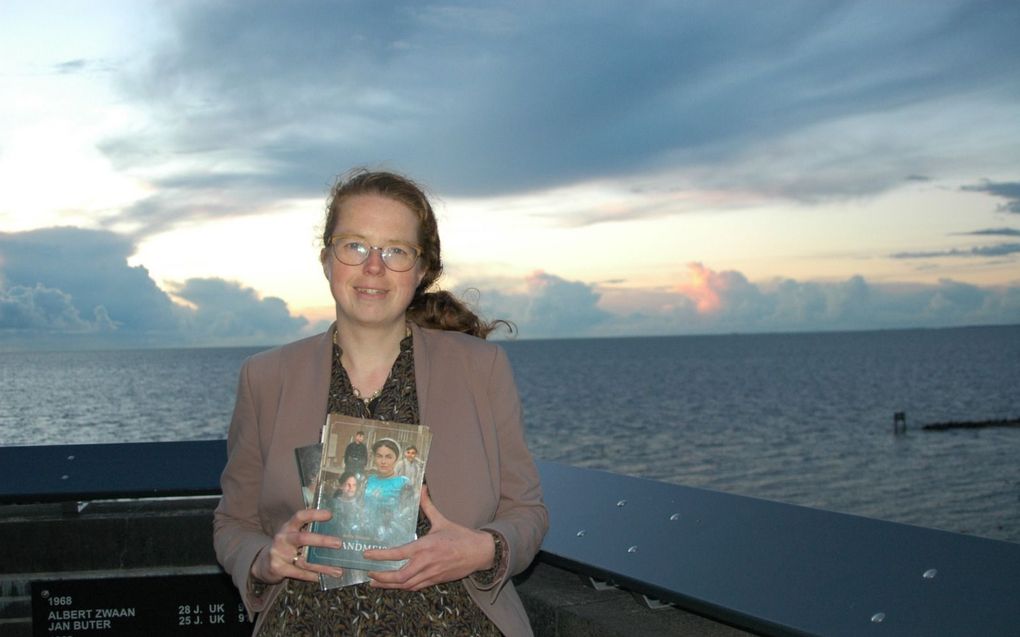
point(714, 292)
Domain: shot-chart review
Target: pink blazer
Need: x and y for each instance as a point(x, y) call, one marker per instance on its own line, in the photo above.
point(480, 473)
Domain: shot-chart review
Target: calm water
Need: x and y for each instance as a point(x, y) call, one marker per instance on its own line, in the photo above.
point(802, 418)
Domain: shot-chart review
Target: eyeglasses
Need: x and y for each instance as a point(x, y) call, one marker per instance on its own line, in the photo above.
point(352, 250)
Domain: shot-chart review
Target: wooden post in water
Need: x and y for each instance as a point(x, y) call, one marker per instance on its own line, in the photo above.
point(899, 422)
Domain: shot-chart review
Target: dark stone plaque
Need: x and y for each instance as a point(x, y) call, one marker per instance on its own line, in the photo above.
point(160, 605)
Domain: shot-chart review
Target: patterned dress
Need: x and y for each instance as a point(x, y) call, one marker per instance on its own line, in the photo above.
point(303, 610)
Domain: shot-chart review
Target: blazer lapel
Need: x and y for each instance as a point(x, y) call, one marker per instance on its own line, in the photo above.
point(419, 341)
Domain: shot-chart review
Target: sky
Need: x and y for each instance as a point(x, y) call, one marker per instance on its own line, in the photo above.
point(598, 168)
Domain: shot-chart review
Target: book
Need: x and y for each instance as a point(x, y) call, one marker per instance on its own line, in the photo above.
point(370, 477)
point(309, 458)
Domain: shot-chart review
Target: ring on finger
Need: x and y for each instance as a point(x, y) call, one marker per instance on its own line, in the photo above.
point(294, 559)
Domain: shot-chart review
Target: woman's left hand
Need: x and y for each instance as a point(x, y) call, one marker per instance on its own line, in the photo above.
point(448, 552)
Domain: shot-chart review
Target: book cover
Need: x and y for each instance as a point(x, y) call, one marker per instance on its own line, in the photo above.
point(309, 459)
point(370, 478)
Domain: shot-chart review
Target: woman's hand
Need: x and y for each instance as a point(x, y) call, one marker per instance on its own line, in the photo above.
point(448, 552)
point(284, 558)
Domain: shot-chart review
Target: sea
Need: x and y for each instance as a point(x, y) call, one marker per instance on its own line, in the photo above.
point(799, 418)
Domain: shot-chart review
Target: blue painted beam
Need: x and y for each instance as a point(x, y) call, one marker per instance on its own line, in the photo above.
point(776, 568)
point(62, 473)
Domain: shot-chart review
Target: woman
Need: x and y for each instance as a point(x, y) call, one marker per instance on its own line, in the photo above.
point(396, 352)
point(387, 495)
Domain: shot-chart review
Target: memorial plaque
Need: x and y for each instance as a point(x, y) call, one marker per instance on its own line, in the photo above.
point(159, 605)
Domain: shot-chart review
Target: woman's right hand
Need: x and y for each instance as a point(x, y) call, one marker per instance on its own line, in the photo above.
point(285, 557)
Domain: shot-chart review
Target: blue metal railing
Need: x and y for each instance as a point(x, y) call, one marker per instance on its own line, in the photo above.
point(772, 568)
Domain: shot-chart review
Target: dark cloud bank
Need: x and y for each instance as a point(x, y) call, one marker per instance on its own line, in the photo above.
point(726, 302)
point(73, 288)
point(70, 287)
point(1010, 191)
point(260, 101)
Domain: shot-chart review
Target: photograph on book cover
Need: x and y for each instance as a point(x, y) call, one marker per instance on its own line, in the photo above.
point(370, 478)
point(309, 459)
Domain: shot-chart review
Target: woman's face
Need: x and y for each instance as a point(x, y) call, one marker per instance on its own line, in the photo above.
point(370, 294)
point(385, 459)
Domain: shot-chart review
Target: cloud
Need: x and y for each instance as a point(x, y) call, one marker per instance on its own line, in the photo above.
point(713, 292)
point(729, 301)
point(1010, 191)
point(226, 310)
point(90, 266)
point(994, 232)
point(790, 305)
point(80, 66)
point(180, 200)
point(48, 310)
point(70, 66)
point(559, 307)
point(543, 305)
point(72, 283)
point(998, 250)
point(68, 287)
point(506, 98)
point(705, 301)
